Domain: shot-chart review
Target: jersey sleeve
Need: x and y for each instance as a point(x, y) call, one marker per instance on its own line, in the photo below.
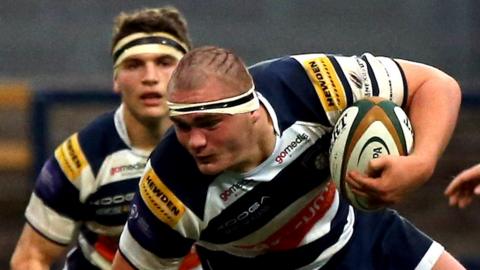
point(148, 240)
point(339, 81)
point(54, 208)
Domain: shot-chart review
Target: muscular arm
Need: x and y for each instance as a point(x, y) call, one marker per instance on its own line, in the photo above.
point(33, 251)
point(433, 105)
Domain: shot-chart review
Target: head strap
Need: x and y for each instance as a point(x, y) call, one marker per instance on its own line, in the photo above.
point(242, 103)
point(137, 43)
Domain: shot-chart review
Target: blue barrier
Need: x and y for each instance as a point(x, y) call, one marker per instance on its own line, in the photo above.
point(42, 102)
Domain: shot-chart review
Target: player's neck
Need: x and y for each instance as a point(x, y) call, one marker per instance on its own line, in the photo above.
point(145, 133)
point(265, 138)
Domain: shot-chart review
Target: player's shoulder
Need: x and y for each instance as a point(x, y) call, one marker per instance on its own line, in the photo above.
point(170, 155)
point(274, 65)
point(298, 67)
point(101, 135)
point(102, 126)
point(95, 141)
point(177, 171)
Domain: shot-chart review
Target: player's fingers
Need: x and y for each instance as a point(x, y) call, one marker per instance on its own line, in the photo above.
point(467, 175)
point(464, 202)
point(358, 192)
point(359, 180)
point(363, 185)
point(351, 179)
point(450, 189)
point(453, 200)
point(455, 184)
point(477, 190)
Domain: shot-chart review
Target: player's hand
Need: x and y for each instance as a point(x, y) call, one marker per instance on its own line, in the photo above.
point(464, 187)
point(390, 178)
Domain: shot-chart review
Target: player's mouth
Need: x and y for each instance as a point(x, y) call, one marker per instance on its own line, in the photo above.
point(204, 159)
point(151, 98)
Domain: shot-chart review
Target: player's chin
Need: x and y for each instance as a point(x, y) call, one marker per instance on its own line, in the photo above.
point(209, 168)
point(155, 112)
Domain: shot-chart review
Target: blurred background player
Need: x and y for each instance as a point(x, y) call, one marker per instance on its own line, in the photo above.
point(464, 187)
point(84, 190)
point(250, 183)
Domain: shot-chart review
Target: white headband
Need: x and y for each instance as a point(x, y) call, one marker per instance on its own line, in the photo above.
point(158, 42)
point(246, 102)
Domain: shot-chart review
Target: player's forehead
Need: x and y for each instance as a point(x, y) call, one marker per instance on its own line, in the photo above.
point(211, 89)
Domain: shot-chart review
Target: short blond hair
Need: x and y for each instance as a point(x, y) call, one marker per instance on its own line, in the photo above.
point(200, 64)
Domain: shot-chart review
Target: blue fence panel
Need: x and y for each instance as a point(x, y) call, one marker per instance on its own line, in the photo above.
point(44, 100)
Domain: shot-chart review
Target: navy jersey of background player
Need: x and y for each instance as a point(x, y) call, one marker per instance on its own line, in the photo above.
point(284, 214)
point(87, 186)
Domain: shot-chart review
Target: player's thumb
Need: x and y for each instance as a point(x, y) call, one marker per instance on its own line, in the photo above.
point(376, 166)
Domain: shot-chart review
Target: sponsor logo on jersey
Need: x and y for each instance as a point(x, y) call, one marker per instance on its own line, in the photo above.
point(356, 80)
point(71, 158)
point(128, 169)
point(291, 147)
point(364, 74)
point(235, 188)
point(247, 216)
point(291, 234)
point(133, 211)
point(327, 84)
point(113, 205)
point(160, 199)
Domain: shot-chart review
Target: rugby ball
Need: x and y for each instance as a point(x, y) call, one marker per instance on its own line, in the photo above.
point(368, 129)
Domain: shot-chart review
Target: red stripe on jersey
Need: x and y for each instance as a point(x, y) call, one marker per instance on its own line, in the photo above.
point(107, 246)
point(290, 235)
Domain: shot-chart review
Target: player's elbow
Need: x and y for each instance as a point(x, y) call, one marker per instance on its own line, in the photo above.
point(18, 262)
point(25, 260)
point(27, 264)
point(453, 90)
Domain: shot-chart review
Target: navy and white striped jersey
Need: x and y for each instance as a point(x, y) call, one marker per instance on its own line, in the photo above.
point(87, 187)
point(285, 213)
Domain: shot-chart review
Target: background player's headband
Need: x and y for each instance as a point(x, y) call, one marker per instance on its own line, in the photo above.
point(243, 103)
point(158, 42)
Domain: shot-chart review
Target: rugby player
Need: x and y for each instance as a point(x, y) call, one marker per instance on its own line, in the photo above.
point(82, 195)
point(249, 182)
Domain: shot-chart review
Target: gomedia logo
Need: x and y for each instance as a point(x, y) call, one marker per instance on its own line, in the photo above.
point(233, 189)
point(139, 166)
point(291, 147)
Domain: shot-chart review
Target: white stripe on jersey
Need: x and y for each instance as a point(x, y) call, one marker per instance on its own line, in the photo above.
point(388, 77)
point(228, 187)
point(54, 226)
point(142, 258)
point(431, 257)
point(92, 255)
point(386, 74)
point(342, 241)
point(253, 244)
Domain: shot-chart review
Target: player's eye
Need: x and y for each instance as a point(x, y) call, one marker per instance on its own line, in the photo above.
point(166, 61)
point(182, 126)
point(131, 64)
point(209, 124)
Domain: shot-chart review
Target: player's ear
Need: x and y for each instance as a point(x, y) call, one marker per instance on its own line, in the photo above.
point(255, 115)
point(116, 88)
